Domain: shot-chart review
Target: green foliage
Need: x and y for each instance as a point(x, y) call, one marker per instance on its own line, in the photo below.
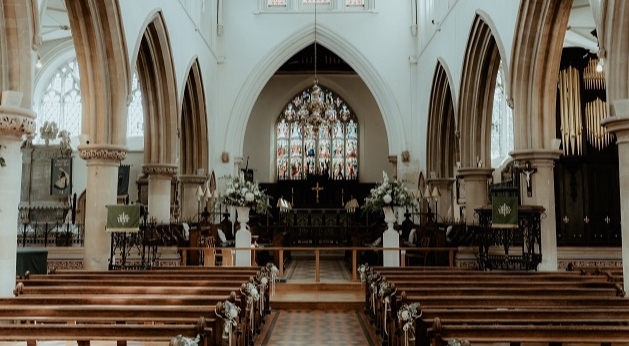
point(389, 194)
point(244, 193)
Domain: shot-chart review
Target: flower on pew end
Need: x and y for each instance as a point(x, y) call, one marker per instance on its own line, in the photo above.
point(180, 340)
point(455, 342)
point(251, 291)
point(362, 270)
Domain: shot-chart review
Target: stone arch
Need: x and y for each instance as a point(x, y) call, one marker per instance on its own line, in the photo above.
point(480, 68)
point(277, 55)
point(441, 139)
point(535, 59)
point(156, 72)
point(101, 51)
point(16, 40)
point(194, 139)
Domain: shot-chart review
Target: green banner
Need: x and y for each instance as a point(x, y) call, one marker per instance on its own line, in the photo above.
point(123, 218)
point(504, 212)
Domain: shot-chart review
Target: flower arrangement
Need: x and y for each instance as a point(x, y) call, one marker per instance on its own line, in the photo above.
point(2, 162)
point(244, 193)
point(389, 194)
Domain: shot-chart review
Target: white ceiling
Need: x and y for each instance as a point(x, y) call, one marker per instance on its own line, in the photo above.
point(580, 26)
point(54, 23)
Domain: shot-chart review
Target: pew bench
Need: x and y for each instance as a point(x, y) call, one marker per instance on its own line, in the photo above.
point(555, 334)
point(85, 333)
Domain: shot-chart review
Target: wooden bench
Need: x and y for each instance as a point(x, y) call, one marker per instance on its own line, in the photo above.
point(84, 333)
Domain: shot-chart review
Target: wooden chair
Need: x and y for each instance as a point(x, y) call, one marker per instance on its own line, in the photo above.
point(419, 257)
point(209, 253)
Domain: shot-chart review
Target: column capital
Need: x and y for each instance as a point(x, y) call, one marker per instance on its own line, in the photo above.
point(536, 155)
point(193, 179)
point(475, 173)
point(105, 152)
point(160, 169)
point(16, 121)
point(618, 125)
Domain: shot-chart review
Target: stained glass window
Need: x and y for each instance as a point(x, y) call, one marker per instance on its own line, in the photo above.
point(502, 140)
point(303, 150)
point(61, 102)
point(135, 113)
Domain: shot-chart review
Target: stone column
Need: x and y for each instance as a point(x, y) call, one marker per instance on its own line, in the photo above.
point(160, 177)
point(189, 202)
point(102, 182)
point(14, 123)
point(445, 201)
point(476, 190)
point(619, 125)
point(543, 194)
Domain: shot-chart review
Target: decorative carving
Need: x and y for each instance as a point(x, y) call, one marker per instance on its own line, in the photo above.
point(48, 131)
point(156, 169)
point(102, 153)
point(16, 125)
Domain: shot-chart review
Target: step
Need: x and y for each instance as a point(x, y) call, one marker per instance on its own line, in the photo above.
point(318, 296)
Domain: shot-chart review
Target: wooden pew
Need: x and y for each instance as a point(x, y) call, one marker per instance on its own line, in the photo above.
point(85, 333)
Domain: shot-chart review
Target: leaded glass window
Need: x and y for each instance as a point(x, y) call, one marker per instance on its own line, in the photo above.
point(331, 151)
point(61, 100)
point(135, 113)
point(502, 140)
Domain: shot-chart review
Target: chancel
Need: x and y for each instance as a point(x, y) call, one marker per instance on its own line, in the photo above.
point(318, 136)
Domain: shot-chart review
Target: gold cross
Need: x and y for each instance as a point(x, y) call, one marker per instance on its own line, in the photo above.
point(317, 188)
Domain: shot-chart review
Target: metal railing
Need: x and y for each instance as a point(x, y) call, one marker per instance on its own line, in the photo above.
point(50, 234)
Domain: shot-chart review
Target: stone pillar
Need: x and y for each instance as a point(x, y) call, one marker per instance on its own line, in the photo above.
point(619, 125)
point(14, 123)
point(476, 190)
point(102, 182)
point(445, 201)
point(160, 177)
point(189, 203)
point(543, 194)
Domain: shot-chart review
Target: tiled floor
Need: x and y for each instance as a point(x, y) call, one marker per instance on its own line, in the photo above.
point(316, 328)
point(304, 270)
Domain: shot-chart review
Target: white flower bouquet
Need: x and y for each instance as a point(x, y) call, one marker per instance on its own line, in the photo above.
point(389, 194)
point(244, 193)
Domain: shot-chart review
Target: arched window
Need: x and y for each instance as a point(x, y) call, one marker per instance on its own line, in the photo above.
point(61, 102)
point(502, 141)
point(302, 151)
point(135, 114)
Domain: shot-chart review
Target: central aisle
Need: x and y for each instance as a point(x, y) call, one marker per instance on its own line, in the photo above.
point(316, 328)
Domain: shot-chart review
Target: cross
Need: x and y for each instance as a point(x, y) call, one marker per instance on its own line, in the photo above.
point(317, 188)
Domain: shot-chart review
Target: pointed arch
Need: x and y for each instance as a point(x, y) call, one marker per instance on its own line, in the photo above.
point(16, 62)
point(156, 72)
point(535, 59)
point(101, 51)
point(194, 141)
point(441, 139)
point(277, 55)
point(480, 67)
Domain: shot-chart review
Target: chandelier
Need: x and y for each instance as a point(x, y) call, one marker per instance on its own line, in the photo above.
point(314, 107)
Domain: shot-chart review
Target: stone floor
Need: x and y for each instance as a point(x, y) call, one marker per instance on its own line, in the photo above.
point(316, 328)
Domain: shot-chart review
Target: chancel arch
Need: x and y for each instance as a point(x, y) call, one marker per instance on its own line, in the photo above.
point(277, 55)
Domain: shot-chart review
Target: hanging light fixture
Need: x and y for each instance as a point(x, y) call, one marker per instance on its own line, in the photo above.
point(315, 107)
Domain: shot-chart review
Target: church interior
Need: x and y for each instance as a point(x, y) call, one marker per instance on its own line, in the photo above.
point(314, 172)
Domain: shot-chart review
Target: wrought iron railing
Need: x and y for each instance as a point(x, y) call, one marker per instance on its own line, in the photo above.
point(50, 234)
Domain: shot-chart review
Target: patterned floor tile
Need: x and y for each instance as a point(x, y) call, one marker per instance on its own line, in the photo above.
point(316, 328)
point(330, 270)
